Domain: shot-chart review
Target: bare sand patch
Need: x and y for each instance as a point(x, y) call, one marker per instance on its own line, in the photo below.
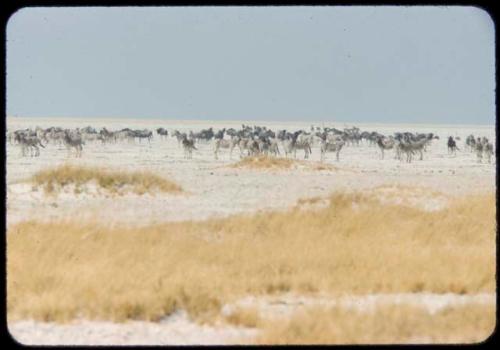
point(416, 196)
point(176, 329)
point(285, 305)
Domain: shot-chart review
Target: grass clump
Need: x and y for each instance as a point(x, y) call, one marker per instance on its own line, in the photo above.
point(115, 181)
point(388, 324)
point(264, 162)
point(274, 163)
point(354, 244)
point(245, 317)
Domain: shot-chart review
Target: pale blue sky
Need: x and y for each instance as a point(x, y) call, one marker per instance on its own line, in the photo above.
point(352, 64)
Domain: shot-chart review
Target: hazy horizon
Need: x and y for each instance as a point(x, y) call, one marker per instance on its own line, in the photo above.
point(321, 64)
point(246, 121)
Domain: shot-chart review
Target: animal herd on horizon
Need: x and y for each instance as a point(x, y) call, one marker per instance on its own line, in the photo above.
point(252, 141)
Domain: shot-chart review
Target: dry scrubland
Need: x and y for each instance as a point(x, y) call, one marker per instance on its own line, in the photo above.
point(113, 181)
point(254, 228)
point(356, 245)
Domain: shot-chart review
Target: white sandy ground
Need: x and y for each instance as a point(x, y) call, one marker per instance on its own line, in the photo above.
point(215, 190)
point(176, 329)
point(287, 304)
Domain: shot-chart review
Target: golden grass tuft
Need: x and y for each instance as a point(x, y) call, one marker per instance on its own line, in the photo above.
point(245, 317)
point(388, 324)
point(114, 181)
point(275, 163)
point(61, 270)
point(264, 162)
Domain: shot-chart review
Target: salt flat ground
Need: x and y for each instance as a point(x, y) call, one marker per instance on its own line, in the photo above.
point(214, 189)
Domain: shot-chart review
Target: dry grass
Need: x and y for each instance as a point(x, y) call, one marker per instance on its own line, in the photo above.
point(390, 324)
point(245, 317)
point(274, 163)
point(61, 270)
point(114, 181)
point(263, 162)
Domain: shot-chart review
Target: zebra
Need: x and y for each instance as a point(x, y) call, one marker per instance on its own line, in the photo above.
point(188, 146)
point(41, 134)
point(243, 145)
point(220, 134)
point(385, 144)
point(403, 147)
point(419, 146)
point(57, 136)
point(124, 134)
point(11, 137)
point(253, 147)
point(179, 136)
point(273, 147)
point(291, 144)
point(106, 136)
point(223, 143)
point(287, 146)
point(206, 135)
point(488, 150)
point(264, 145)
point(470, 143)
point(479, 151)
point(73, 141)
point(410, 147)
point(90, 137)
point(14, 136)
point(328, 146)
point(29, 142)
point(89, 130)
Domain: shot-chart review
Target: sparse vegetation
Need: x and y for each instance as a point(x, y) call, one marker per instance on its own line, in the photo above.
point(246, 317)
point(355, 244)
point(390, 324)
point(274, 163)
point(263, 162)
point(114, 181)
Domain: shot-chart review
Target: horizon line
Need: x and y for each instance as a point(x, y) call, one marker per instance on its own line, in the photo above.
point(242, 120)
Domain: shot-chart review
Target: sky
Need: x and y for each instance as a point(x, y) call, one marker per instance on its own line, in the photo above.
point(351, 64)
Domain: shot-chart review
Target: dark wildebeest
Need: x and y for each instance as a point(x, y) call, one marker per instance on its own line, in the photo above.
point(452, 146)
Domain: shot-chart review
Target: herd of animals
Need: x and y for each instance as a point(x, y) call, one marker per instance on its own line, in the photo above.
point(251, 141)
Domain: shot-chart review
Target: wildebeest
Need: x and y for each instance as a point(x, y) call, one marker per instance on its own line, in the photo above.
point(143, 134)
point(452, 146)
point(162, 132)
